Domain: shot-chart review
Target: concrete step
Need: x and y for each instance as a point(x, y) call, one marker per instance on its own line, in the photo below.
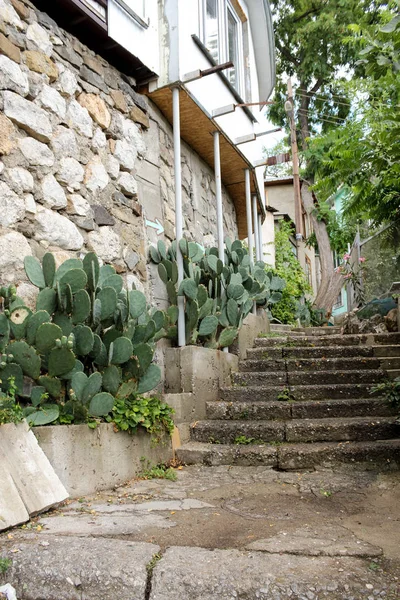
point(308, 377)
point(280, 327)
point(299, 392)
point(312, 352)
point(331, 340)
point(296, 430)
point(381, 454)
point(253, 411)
point(226, 432)
point(313, 364)
point(393, 373)
point(387, 351)
point(357, 429)
point(390, 363)
point(318, 330)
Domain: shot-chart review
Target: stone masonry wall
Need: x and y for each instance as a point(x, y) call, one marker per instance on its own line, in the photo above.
point(85, 160)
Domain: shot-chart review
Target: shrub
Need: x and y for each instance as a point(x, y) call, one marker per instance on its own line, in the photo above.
point(218, 294)
point(88, 347)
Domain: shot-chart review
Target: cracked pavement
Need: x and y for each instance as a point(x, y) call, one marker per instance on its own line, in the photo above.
point(217, 532)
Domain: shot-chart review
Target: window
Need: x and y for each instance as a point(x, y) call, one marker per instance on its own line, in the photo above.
point(137, 6)
point(222, 36)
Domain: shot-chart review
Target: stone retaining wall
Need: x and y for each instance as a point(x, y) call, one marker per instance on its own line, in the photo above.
point(85, 158)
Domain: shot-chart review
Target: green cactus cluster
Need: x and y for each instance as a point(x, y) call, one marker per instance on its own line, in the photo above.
point(218, 294)
point(89, 342)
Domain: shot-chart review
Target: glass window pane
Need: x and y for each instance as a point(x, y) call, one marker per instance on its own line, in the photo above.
point(211, 28)
point(232, 48)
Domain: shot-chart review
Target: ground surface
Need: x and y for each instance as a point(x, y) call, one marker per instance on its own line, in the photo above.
point(221, 532)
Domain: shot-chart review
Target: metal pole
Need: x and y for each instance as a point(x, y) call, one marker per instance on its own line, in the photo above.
point(249, 224)
point(260, 238)
point(178, 210)
point(255, 228)
point(248, 214)
point(218, 193)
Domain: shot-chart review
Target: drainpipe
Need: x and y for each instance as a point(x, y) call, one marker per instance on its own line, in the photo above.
point(178, 211)
point(249, 224)
point(260, 238)
point(255, 227)
point(218, 192)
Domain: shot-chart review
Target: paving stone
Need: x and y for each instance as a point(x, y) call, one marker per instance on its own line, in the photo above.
point(56, 229)
point(97, 109)
point(28, 116)
point(36, 153)
point(38, 39)
point(53, 193)
point(11, 77)
point(328, 540)
point(51, 570)
point(12, 207)
point(9, 49)
point(40, 63)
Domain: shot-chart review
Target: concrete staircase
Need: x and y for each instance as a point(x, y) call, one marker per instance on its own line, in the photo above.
point(302, 399)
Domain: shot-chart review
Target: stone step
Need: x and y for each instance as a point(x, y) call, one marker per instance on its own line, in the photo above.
point(295, 393)
point(387, 351)
point(331, 340)
point(312, 352)
point(296, 430)
point(390, 363)
point(318, 330)
point(226, 432)
point(357, 429)
point(280, 327)
point(352, 363)
point(253, 411)
point(381, 454)
point(393, 373)
point(307, 377)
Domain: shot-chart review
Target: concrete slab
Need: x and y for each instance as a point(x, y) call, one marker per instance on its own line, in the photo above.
point(75, 568)
point(198, 574)
point(12, 509)
point(33, 476)
point(328, 540)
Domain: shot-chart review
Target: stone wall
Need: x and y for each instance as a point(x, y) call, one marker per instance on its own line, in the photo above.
point(85, 159)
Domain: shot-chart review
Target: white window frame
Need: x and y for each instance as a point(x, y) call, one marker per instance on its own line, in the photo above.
point(137, 13)
point(222, 10)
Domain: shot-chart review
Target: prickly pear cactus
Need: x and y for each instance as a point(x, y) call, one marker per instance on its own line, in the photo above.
point(89, 342)
point(218, 294)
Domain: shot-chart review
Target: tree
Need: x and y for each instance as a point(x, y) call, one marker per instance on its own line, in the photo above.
point(312, 43)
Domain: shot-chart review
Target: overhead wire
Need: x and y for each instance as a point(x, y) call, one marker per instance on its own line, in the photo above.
point(339, 120)
point(313, 95)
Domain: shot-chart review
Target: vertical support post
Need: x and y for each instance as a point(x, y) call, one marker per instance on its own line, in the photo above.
point(178, 210)
point(255, 228)
point(289, 107)
point(248, 214)
point(260, 238)
point(218, 193)
point(249, 222)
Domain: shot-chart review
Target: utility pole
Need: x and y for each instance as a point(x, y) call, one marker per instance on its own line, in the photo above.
point(289, 108)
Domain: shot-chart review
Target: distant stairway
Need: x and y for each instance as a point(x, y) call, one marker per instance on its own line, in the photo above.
point(301, 400)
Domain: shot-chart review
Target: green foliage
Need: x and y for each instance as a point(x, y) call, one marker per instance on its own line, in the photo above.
point(341, 231)
point(390, 391)
point(149, 413)
point(285, 395)
point(288, 268)
point(10, 409)
point(5, 564)
point(310, 316)
point(157, 472)
point(218, 294)
point(242, 440)
point(90, 346)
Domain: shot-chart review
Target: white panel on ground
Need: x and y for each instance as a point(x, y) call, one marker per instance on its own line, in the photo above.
point(12, 509)
point(33, 476)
